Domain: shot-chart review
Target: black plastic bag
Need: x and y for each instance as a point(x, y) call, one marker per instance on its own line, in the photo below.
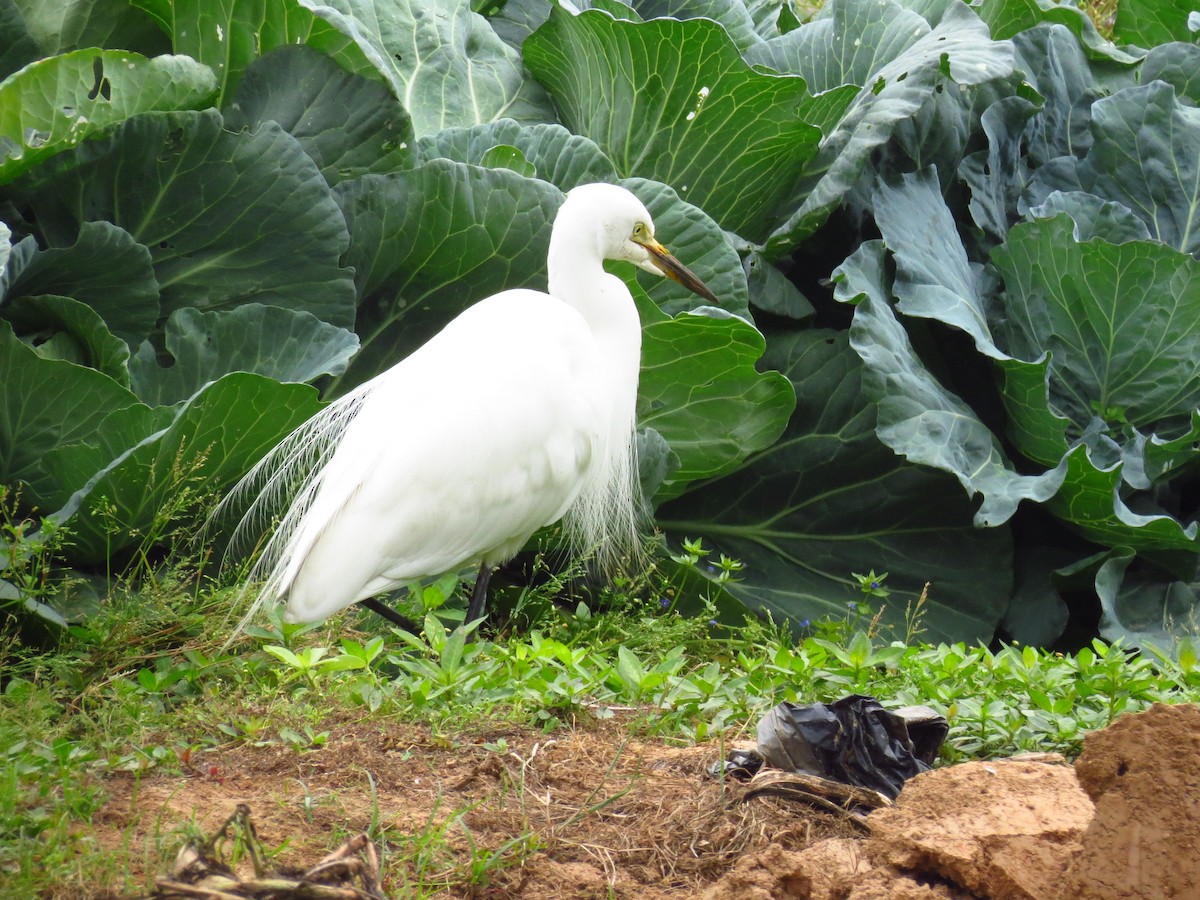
point(853, 740)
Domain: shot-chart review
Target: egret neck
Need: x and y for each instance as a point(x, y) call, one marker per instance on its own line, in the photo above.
point(577, 277)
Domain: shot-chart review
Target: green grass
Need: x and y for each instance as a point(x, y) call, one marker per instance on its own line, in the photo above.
point(147, 686)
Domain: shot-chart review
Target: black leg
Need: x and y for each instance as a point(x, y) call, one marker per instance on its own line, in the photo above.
point(382, 609)
point(479, 595)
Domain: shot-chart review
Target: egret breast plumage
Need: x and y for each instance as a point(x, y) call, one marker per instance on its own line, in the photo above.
point(519, 413)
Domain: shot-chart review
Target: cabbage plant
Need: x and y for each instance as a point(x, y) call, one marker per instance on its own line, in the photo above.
point(955, 247)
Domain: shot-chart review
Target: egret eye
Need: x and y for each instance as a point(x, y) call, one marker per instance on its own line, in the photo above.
point(639, 230)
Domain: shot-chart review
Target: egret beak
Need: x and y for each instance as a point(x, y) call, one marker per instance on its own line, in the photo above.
point(675, 270)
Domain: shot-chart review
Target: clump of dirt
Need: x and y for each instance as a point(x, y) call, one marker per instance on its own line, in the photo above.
point(1143, 774)
point(1123, 824)
point(1003, 830)
point(590, 813)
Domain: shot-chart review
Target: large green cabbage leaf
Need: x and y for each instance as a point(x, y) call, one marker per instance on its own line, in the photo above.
point(996, 387)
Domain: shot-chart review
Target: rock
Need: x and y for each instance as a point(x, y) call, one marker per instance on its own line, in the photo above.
point(830, 864)
point(1005, 830)
point(886, 883)
point(1143, 773)
point(771, 874)
point(832, 869)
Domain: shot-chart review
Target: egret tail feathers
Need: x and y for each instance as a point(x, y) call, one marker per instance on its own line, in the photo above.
point(283, 485)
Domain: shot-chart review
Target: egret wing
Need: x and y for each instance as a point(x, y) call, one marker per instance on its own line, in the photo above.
point(459, 453)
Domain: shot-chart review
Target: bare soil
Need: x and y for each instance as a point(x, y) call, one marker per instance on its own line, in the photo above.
point(609, 816)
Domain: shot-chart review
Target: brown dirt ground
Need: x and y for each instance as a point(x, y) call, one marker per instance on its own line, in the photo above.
point(617, 817)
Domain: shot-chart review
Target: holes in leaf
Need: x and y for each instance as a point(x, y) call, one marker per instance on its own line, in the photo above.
point(101, 87)
point(174, 145)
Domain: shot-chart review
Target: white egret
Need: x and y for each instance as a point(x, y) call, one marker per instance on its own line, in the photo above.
point(519, 413)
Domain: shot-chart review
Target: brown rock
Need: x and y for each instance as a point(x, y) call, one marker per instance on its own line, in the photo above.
point(886, 883)
point(831, 864)
point(1143, 772)
point(1004, 830)
point(772, 874)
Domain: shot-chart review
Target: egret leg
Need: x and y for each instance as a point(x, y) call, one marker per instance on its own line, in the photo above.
point(382, 609)
point(475, 609)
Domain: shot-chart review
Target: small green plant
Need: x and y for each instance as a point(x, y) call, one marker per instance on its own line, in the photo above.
point(29, 545)
point(871, 585)
point(308, 739)
point(305, 663)
point(694, 553)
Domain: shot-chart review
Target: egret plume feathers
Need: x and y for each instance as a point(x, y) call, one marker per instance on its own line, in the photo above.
point(286, 479)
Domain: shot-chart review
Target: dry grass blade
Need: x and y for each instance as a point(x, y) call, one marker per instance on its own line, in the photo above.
point(844, 800)
point(200, 873)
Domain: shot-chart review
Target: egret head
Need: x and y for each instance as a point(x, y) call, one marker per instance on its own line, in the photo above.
point(627, 233)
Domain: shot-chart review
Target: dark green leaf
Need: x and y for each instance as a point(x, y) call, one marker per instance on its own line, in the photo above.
point(1037, 614)
point(45, 403)
point(212, 440)
point(71, 465)
point(901, 79)
point(228, 218)
point(934, 278)
point(1148, 23)
point(656, 461)
point(917, 417)
point(1093, 217)
point(64, 328)
point(1177, 64)
point(771, 290)
point(52, 105)
point(1121, 322)
point(1141, 606)
point(228, 36)
point(105, 268)
point(1090, 500)
point(17, 46)
point(847, 42)
point(443, 62)
point(283, 344)
point(1009, 18)
point(732, 15)
point(1036, 429)
point(62, 25)
point(348, 125)
point(674, 102)
point(505, 156)
point(1165, 456)
point(1144, 157)
point(700, 390)
point(829, 499)
point(1057, 68)
point(557, 156)
point(998, 175)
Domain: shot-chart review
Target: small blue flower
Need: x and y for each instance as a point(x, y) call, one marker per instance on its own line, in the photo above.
point(874, 585)
point(712, 622)
point(664, 602)
point(804, 623)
